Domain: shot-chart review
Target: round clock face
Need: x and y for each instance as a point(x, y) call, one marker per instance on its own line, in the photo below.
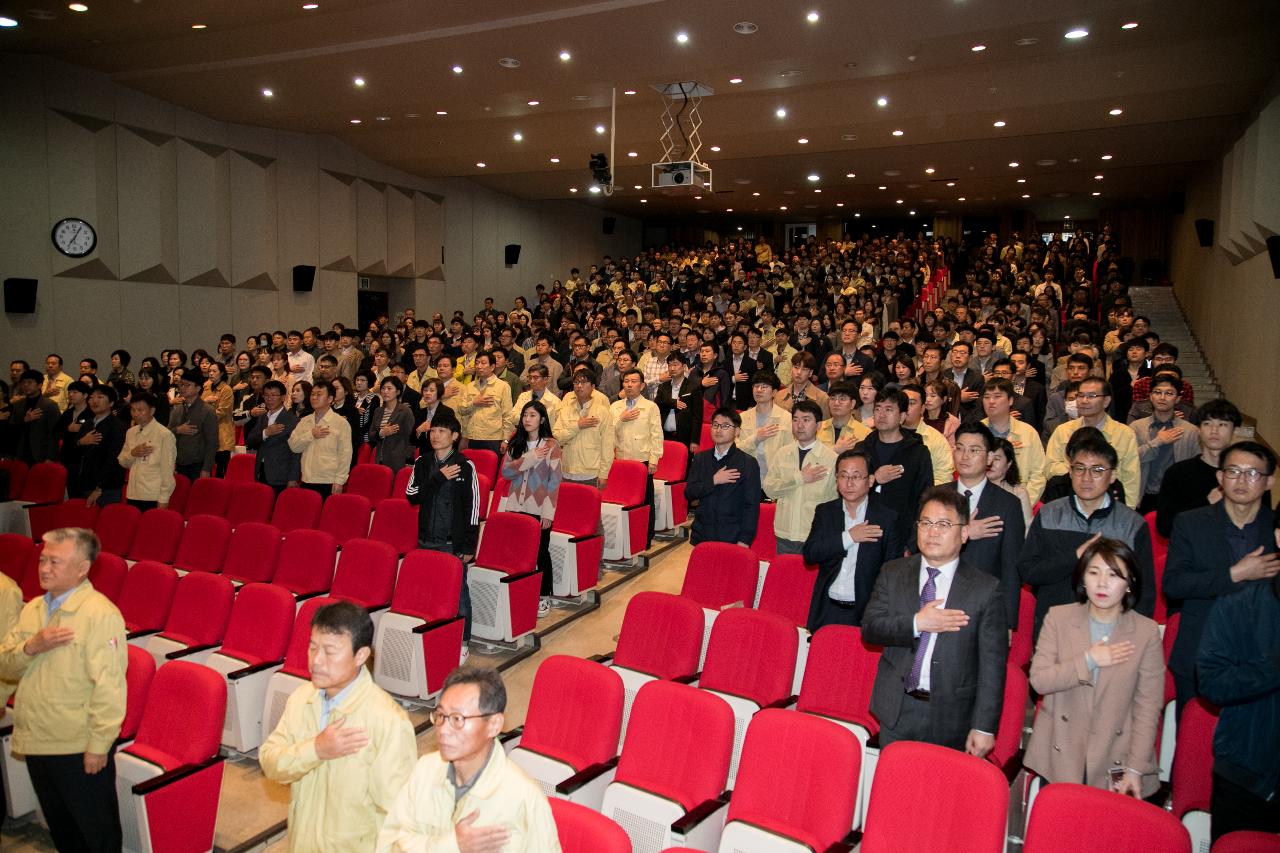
point(74, 238)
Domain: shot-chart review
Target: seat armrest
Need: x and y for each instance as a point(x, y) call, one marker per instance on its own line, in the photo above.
point(873, 742)
point(144, 788)
point(510, 735)
point(250, 670)
point(374, 608)
point(137, 635)
point(519, 577)
point(688, 679)
point(27, 505)
point(783, 703)
point(679, 482)
point(5, 731)
point(303, 596)
point(690, 820)
point(179, 654)
point(584, 776)
point(604, 658)
point(633, 506)
point(574, 540)
point(846, 844)
point(431, 626)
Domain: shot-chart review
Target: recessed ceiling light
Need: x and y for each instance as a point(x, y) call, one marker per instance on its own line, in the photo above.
point(1116, 111)
point(565, 56)
point(857, 216)
point(480, 165)
point(533, 103)
point(745, 28)
point(790, 72)
point(1076, 34)
point(960, 199)
point(812, 17)
point(882, 188)
point(382, 118)
point(735, 80)
point(628, 91)
point(730, 210)
point(839, 204)
point(911, 213)
point(1048, 161)
point(783, 207)
point(78, 7)
point(815, 177)
point(457, 69)
point(1066, 216)
point(1097, 177)
point(997, 124)
point(594, 190)
point(951, 183)
point(715, 148)
point(1106, 156)
point(817, 191)
point(698, 197)
point(1022, 180)
point(509, 62)
point(267, 93)
point(978, 48)
point(310, 6)
point(355, 121)
point(755, 194)
point(632, 154)
point(897, 133)
point(638, 186)
point(358, 81)
point(573, 189)
point(600, 128)
point(780, 112)
point(442, 112)
point(682, 38)
point(644, 201)
point(850, 175)
point(1095, 193)
point(929, 170)
point(413, 115)
point(882, 101)
point(897, 201)
point(555, 159)
point(1014, 164)
point(1074, 160)
point(803, 140)
point(193, 26)
point(1131, 25)
point(1026, 42)
point(518, 136)
point(1026, 195)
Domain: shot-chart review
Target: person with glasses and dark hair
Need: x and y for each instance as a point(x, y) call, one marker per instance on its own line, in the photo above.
point(1217, 550)
point(343, 746)
point(1092, 401)
point(725, 481)
point(500, 807)
point(1065, 526)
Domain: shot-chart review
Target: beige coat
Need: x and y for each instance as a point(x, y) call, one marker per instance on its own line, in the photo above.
point(1087, 728)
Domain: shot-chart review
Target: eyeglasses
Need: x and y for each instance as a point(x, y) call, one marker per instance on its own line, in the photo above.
point(1089, 395)
point(1252, 475)
point(1093, 471)
point(851, 478)
point(456, 721)
point(718, 425)
point(942, 524)
point(1164, 392)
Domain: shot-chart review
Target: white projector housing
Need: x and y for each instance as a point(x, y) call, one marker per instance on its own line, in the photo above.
point(679, 175)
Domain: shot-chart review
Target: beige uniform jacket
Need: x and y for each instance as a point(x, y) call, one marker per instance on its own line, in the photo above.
point(1029, 452)
point(487, 422)
point(150, 477)
point(797, 499)
point(1118, 435)
point(639, 439)
point(588, 453)
point(324, 460)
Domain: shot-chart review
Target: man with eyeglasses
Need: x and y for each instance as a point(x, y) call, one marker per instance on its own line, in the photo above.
point(343, 745)
point(1092, 401)
point(1163, 439)
point(725, 480)
point(1218, 549)
point(1065, 526)
point(469, 796)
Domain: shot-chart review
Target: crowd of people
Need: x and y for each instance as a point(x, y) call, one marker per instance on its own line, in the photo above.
point(930, 460)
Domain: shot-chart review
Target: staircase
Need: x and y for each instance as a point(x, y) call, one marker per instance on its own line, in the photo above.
point(1167, 320)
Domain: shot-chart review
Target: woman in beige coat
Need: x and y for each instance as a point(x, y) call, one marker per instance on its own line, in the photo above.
point(1100, 669)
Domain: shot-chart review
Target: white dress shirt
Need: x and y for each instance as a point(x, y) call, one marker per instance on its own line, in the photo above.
point(942, 588)
point(844, 587)
point(975, 494)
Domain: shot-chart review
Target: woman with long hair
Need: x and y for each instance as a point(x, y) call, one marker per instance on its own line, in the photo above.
point(1003, 471)
point(300, 398)
point(218, 396)
point(344, 405)
point(941, 401)
point(391, 426)
point(532, 466)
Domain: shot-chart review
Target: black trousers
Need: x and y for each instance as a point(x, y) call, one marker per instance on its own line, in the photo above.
point(1235, 808)
point(321, 489)
point(832, 612)
point(81, 808)
point(220, 460)
point(914, 723)
point(544, 554)
point(144, 505)
point(648, 500)
point(190, 471)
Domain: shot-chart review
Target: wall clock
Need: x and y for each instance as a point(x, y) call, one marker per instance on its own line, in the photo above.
point(74, 237)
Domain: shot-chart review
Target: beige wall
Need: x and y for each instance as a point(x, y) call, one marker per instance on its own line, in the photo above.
point(1228, 292)
point(200, 223)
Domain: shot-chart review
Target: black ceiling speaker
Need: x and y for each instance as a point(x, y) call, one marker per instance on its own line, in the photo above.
point(610, 222)
point(512, 254)
point(20, 295)
point(1204, 232)
point(304, 278)
point(1273, 249)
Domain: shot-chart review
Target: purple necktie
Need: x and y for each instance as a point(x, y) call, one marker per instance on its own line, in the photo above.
point(928, 594)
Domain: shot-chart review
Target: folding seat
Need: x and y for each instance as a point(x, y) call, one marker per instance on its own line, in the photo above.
point(1193, 770)
point(967, 797)
point(584, 830)
point(396, 523)
point(371, 480)
point(417, 643)
point(1114, 823)
point(43, 491)
point(484, 488)
point(242, 468)
point(1240, 841)
point(765, 545)
point(29, 583)
point(159, 533)
point(72, 513)
point(250, 502)
point(306, 563)
point(1007, 753)
point(252, 554)
point(107, 574)
point(502, 489)
point(251, 652)
point(208, 496)
point(672, 770)
point(296, 671)
point(15, 552)
point(719, 575)
point(624, 516)
point(197, 620)
point(203, 547)
point(750, 664)
point(1021, 646)
point(576, 545)
point(704, 437)
point(485, 462)
point(787, 591)
point(296, 509)
point(168, 781)
point(570, 732)
point(146, 599)
point(1159, 555)
point(1168, 737)
point(181, 490)
point(504, 580)
point(364, 454)
point(366, 575)
point(669, 505)
point(796, 786)
point(401, 481)
point(17, 476)
point(117, 525)
point(346, 516)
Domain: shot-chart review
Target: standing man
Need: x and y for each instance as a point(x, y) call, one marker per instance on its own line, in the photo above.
point(149, 452)
point(540, 390)
point(934, 442)
point(967, 379)
point(997, 402)
point(33, 419)
point(842, 431)
point(195, 427)
point(851, 538)
point(584, 431)
point(1164, 438)
point(679, 401)
point(68, 655)
point(101, 477)
point(302, 364)
point(768, 425)
point(343, 745)
point(742, 369)
point(324, 441)
point(1193, 483)
point(726, 483)
point(717, 386)
point(637, 433)
point(803, 364)
point(485, 407)
point(277, 464)
point(801, 475)
point(1092, 401)
point(55, 382)
point(899, 460)
point(941, 621)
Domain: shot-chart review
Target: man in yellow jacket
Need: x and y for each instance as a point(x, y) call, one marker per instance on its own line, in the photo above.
point(468, 796)
point(343, 745)
point(68, 655)
point(802, 474)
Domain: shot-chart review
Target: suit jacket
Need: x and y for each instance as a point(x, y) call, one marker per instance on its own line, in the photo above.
point(729, 512)
point(720, 394)
point(99, 463)
point(688, 419)
point(741, 393)
point(825, 549)
point(1036, 400)
point(763, 358)
point(277, 464)
point(973, 381)
point(967, 667)
point(1088, 726)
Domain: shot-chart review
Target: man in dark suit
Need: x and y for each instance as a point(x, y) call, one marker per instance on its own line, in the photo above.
point(941, 622)
point(268, 436)
point(756, 350)
point(679, 402)
point(740, 367)
point(969, 380)
point(710, 374)
point(851, 537)
point(726, 483)
point(101, 438)
point(1029, 403)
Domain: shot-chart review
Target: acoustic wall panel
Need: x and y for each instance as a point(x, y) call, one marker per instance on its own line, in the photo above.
point(338, 221)
point(400, 232)
point(371, 227)
point(204, 214)
point(428, 235)
point(146, 175)
point(253, 222)
point(84, 151)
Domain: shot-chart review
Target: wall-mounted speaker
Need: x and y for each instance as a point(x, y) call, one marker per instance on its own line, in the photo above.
point(304, 278)
point(609, 223)
point(20, 295)
point(511, 255)
point(1204, 232)
point(1273, 249)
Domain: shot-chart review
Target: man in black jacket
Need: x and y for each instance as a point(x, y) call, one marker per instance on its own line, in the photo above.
point(900, 462)
point(32, 421)
point(726, 483)
point(741, 367)
point(268, 436)
point(100, 441)
point(679, 402)
point(851, 537)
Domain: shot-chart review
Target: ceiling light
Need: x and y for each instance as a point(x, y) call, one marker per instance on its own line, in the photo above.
point(628, 91)
point(882, 101)
point(1106, 156)
point(803, 140)
point(897, 201)
point(911, 213)
point(383, 118)
point(812, 17)
point(1095, 193)
point(814, 177)
point(355, 121)
point(267, 93)
point(1097, 177)
point(518, 136)
point(644, 201)
point(960, 199)
point(997, 124)
point(783, 207)
point(817, 191)
point(565, 56)
point(359, 81)
point(882, 188)
point(745, 28)
point(310, 6)
point(1076, 34)
point(698, 197)
point(951, 183)
point(839, 204)
point(1116, 111)
point(555, 159)
point(594, 190)
point(413, 115)
point(929, 171)
point(600, 128)
point(735, 80)
point(1026, 195)
point(1066, 216)
point(897, 133)
point(533, 103)
point(780, 112)
point(509, 62)
point(1131, 25)
point(1022, 180)
point(1014, 164)
point(480, 165)
point(850, 175)
point(78, 7)
point(573, 189)
point(193, 26)
point(457, 69)
point(682, 38)
point(715, 148)
point(978, 48)
point(730, 210)
point(442, 112)
point(857, 216)
point(638, 186)
point(755, 194)
point(1026, 42)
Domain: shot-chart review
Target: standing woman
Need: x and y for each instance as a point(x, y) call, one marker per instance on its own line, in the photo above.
point(300, 398)
point(532, 465)
point(940, 405)
point(152, 382)
point(219, 396)
point(391, 426)
point(344, 406)
point(365, 401)
point(1100, 668)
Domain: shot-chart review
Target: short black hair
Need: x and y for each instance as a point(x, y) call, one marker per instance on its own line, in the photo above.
point(1116, 554)
point(895, 396)
point(949, 498)
point(143, 397)
point(808, 407)
point(343, 617)
point(1220, 409)
point(727, 412)
point(1091, 440)
point(493, 693)
point(1254, 448)
point(855, 453)
point(980, 430)
point(766, 377)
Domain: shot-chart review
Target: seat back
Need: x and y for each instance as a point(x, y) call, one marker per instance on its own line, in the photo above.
point(1170, 637)
point(485, 462)
point(296, 508)
point(575, 712)
point(159, 533)
point(503, 487)
point(661, 635)
point(147, 595)
point(46, 482)
point(366, 573)
point(138, 674)
point(242, 468)
point(510, 543)
point(15, 552)
point(1013, 716)
point(208, 496)
point(306, 562)
point(788, 589)
point(1116, 823)
point(751, 654)
point(838, 676)
point(346, 517)
point(204, 544)
point(17, 476)
point(626, 483)
point(968, 801)
point(370, 480)
point(798, 777)
point(184, 714)
point(678, 744)
point(1021, 647)
point(253, 552)
point(201, 609)
point(1240, 841)
point(429, 585)
point(295, 656)
point(261, 620)
point(577, 510)
point(1192, 778)
point(250, 501)
point(721, 574)
point(1159, 555)
point(674, 462)
point(107, 574)
point(29, 581)
point(74, 513)
point(401, 481)
point(484, 487)
point(584, 830)
point(396, 523)
point(765, 545)
point(181, 490)
point(116, 527)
